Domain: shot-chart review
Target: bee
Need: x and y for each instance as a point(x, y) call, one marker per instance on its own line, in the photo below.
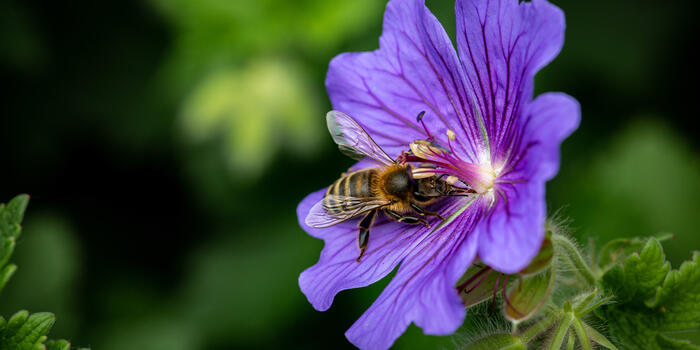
point(389, 188)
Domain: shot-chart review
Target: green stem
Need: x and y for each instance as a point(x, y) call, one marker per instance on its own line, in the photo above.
point(539, 327)
point(571, 342)
point(561, 330)
point(594, 306)
point(574, 256)
point(581, 334)
point(583, 304)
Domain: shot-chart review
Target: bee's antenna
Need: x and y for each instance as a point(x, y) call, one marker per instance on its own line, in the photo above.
point(419, 118)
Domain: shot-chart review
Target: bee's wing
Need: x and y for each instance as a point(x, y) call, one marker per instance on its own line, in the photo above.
point(342, 208)
point(353, 140)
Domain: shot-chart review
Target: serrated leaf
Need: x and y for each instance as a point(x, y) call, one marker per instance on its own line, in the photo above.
point(6, 273)
point(7, 246)
point(17, 320)
point(667, 343)
point(641, 274)
point(631, 328)
point(619, 249)
point(527, 297)
point(649, 310)
point(11, 216)
point(24, 332)
point(679, 297)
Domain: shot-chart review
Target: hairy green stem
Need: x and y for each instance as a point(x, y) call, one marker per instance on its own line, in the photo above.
point(561, 330)
point(571, 342)
point(594, 306)
point(539, 327)
point(574, 256)
point(581, 334)
point(582, 305)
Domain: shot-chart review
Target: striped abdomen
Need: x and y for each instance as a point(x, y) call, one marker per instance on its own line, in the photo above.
point(357, 184)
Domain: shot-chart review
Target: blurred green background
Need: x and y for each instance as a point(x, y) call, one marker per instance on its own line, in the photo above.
point(166, 144)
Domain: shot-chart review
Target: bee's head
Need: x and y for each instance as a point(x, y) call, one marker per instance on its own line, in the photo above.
point(427, 189)
point(436, 186)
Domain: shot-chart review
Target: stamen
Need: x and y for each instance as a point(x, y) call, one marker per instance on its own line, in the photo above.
point(451, 179)
point(419, 118)
point(461, 287)
point(480, 281)
point(479, 176)
point(451, 137)
point(495, 290)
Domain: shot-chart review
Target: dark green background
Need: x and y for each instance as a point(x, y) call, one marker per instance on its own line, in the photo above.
point(166, 145)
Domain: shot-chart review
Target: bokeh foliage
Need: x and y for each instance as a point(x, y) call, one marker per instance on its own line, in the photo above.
point(21, 331)
point(167, 143)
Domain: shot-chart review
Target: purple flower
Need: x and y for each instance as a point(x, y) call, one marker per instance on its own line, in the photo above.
point(504, 146)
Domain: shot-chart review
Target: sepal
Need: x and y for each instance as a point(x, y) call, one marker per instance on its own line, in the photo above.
point(526, 298)
point(498, 341)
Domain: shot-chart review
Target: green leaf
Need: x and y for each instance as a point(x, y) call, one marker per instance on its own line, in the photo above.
point(619, 249)
point(670, 343)
point(652, 305)
point(6, 273)
point(641, 274)
point(7, 246)
point(11, 216)
point(24, 332)
point(679, 297)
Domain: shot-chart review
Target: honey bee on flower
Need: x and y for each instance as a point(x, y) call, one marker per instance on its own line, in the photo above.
point(485, 130)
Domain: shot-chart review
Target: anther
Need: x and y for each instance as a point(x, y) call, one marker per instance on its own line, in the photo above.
point(451, 136)
point(419, 118)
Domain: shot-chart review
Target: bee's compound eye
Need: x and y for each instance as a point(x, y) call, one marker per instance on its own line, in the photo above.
point(420, 197)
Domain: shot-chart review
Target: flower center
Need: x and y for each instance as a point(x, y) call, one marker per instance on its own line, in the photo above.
point(479, 177)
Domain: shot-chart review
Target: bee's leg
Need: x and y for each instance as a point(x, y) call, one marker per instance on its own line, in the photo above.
point(413, 220)
point(363, 235)
point(424, 212)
